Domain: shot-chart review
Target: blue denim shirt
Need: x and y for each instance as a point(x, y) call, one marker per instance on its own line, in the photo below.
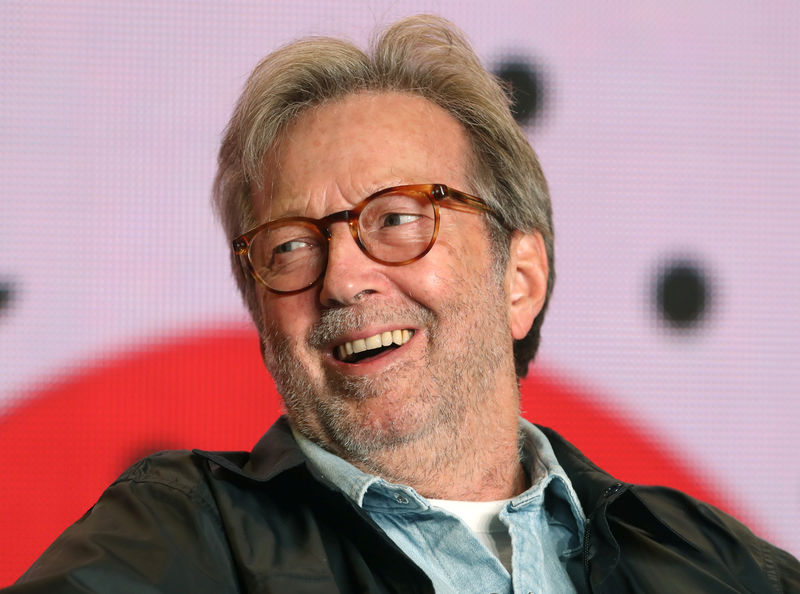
point(545, 522)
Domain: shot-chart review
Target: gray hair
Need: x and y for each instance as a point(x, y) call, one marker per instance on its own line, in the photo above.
point(421, 55)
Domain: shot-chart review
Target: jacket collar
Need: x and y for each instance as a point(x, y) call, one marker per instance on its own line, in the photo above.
point(275, 453)
point(593, 485)
point(607, 502)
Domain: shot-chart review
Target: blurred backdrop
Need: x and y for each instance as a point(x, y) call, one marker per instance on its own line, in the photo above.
point(669, 132)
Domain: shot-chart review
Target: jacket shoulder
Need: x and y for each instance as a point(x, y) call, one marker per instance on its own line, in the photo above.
point(183, 470)
point(657, 539)
point(714, 533)
point(156, 527)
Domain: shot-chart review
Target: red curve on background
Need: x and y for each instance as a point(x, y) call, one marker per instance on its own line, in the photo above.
point(67, 441)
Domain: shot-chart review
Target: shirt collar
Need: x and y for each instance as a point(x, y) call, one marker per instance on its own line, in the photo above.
point(547, 475)
point(352, 481)
point(538, 457)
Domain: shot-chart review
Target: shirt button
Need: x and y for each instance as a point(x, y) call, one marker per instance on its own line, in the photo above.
point(401, 498)
point(612, 489)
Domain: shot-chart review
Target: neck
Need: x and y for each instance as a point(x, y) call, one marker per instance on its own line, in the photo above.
point(473, 459)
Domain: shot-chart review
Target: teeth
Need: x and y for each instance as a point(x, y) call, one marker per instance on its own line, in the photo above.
point(398, 337)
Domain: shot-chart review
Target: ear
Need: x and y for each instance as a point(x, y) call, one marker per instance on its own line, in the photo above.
point(526, 280)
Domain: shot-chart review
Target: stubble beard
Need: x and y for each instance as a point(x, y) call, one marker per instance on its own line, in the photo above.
point(450, 383)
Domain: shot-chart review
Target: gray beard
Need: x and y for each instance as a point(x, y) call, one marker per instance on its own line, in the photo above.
point(461, 367)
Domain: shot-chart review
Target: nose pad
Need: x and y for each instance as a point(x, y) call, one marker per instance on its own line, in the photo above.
point(349, 274)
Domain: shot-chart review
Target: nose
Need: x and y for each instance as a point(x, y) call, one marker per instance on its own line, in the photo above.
point(350, 274)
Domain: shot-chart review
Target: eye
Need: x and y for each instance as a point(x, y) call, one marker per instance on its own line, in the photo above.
point(291, 251)
point(290, 246)
point(395, 219)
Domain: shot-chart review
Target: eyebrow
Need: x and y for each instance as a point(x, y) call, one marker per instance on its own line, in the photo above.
point(371, 189)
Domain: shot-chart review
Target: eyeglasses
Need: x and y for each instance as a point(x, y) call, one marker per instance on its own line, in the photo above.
point(394, 226)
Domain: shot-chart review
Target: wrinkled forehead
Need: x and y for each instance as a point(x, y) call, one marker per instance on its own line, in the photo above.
point(332, 156)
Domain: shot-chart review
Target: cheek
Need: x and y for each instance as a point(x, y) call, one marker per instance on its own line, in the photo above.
point(445, 274)
point(289, 316)
point(427, 281)
point(462, 253)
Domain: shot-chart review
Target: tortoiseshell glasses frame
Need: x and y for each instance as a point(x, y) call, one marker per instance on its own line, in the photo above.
point(394, 226)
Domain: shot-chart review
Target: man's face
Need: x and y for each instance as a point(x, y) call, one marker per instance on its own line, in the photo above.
point(451, 304)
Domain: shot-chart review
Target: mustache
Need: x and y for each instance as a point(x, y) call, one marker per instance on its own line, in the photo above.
point(336, 322)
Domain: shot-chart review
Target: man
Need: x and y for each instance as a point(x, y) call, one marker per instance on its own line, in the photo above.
point(393, 241)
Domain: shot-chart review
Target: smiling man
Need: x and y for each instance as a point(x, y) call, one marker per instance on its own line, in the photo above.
point(392, 238)
point(424, 410)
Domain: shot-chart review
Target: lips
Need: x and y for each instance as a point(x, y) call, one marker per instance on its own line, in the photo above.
point(361, 348)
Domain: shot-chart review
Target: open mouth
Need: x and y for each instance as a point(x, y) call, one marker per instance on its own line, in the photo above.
point(363, 348)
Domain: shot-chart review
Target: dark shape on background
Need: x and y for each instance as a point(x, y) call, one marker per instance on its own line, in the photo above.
point(527, 90)
point(682, 294)
point(6, 295)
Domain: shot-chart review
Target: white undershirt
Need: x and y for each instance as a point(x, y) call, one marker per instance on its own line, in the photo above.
point(482, 517)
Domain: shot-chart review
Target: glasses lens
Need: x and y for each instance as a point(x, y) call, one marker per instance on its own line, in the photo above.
point(288, 257)
point(397, 226)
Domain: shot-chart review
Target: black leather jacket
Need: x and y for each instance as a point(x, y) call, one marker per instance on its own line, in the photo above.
point(206, 522)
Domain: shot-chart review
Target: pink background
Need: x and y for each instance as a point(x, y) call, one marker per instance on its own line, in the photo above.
point(668, 130)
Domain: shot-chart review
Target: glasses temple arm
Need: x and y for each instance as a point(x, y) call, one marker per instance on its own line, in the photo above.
point(465, 202)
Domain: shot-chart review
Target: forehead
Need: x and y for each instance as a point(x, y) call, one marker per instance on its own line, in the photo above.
point(336, 154)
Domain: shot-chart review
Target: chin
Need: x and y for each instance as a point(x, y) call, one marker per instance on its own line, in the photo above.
point(362, 428)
